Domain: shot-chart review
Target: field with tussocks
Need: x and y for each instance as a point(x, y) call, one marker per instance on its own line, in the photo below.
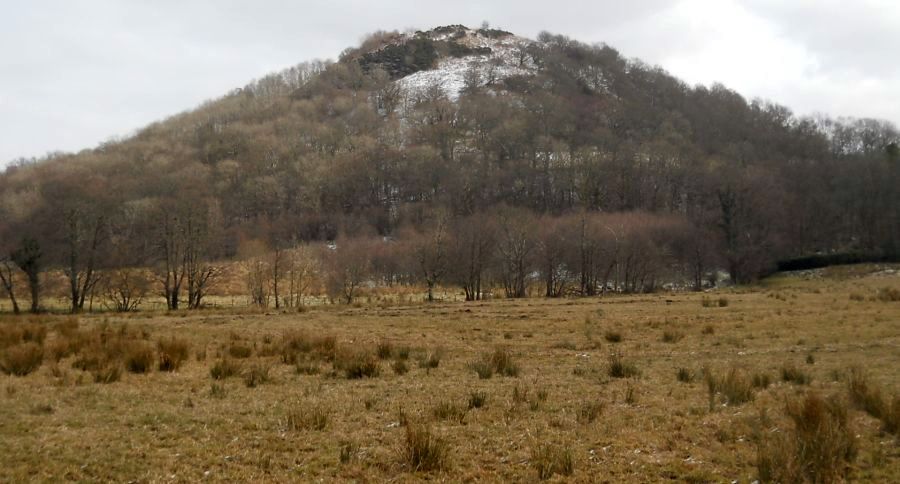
point(794, 378)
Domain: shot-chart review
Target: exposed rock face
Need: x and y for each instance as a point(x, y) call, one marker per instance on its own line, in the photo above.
point(452, 57)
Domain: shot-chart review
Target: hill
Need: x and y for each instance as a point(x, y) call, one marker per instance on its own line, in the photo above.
point(607, 173)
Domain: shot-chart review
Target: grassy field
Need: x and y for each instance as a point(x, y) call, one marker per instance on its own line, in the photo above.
point(641, 388)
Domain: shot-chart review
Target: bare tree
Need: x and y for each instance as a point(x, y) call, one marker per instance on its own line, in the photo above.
point(28, 257)
point(85, 232)
point(516, 246)
point(257, 279)
point(303, 269)
point(349, 265)
point(6, 279)
point(172, 245)
point(278, 260)
point(553, 247)
point(472, 252)
point(430, 249)
point(124, 289)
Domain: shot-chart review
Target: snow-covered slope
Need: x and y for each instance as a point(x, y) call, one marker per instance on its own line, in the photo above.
point(496, 57)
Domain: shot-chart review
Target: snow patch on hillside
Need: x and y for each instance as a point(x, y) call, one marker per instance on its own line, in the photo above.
point(508, 58)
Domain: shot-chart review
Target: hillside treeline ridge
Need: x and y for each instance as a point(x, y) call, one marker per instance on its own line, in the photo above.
point(338, 151)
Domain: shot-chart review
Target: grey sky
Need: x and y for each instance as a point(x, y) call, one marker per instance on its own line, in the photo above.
point(75, 73)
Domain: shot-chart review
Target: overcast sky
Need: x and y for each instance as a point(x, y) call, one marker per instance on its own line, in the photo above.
point(76, 73)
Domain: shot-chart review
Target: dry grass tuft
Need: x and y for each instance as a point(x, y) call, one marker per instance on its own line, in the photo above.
point(477, 399)
point(589, 411)
point(446, 410)
point(108, 373)
point(734, 388)
point(684, 375)
point(224, 368)
point(820, 447)
point(356, 363)
point(888, 294)
point(139, 357)
point(173, 352)
point(612, 336)
point(300, 342)
point(399, 367)
point(423, 451)
point(672, 336)
point(384, 350)
point(550, 459)
point(869, 398)
point(792, 374)
point(618, 367)
point(256, 375)
point(21, 359)
point(761, 380)
point(431, 359)
point(307, 417)
point(240, 351)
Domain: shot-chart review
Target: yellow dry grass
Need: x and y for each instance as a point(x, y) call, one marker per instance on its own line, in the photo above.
point(57, 424)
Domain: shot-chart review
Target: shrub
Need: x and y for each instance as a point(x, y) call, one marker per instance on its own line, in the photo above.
point(790, 373)
point(620, 368)
point(139, 357)
point(613, 336)
point(422, 450)
point(172, 353)
point(589, 411)
point(21, 359)
point(722, 302)
point(734, 388)
point(449, 411)
point(819, 448)
point(477, 400)
point(549, 459)
point(224, 368)
point(256, 375)
point(307, 417)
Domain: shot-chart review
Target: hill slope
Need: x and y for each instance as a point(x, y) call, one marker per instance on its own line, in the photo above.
point(464, 121)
